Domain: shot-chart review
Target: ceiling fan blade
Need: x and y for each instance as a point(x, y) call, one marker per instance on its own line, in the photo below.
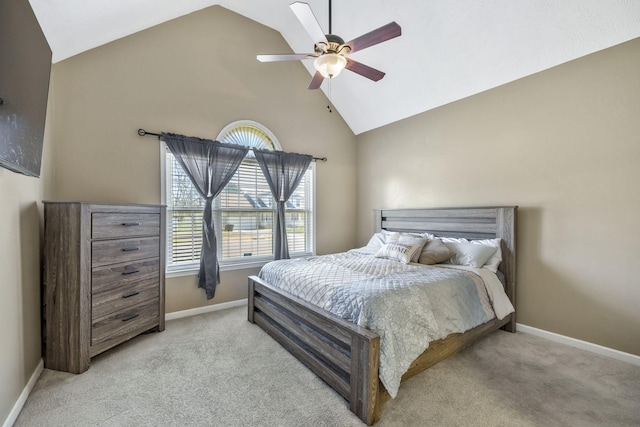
point(285, 57)
point(364, 70)
point(316, 81)
point(309, 22)
point(384, 33)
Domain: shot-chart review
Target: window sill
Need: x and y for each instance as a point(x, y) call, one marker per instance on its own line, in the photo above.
point(193, 270)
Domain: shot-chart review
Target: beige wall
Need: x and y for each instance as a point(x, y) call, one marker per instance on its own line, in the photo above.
point(194, 75)
point(21, 231)
point(564, 145)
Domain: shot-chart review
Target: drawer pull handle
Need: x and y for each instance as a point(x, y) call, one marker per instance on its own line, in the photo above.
point(133, 316)
point(124, 273)
point(130, 224)
point(130, 249)
point(132, 294)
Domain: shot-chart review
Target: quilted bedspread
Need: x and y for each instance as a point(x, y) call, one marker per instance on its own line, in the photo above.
point(408, 305)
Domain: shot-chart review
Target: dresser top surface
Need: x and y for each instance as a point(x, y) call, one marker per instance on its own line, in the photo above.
point(100, 203)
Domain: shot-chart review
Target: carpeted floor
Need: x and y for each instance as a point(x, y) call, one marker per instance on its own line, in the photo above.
point(217, 369)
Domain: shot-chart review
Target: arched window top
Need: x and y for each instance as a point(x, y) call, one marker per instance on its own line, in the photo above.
point(250, 134)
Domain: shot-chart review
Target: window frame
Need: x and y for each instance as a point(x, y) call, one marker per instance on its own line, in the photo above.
point(187, 269)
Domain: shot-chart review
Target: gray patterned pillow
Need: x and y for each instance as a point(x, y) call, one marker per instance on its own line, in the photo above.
point(435, 252)
point(398, 251)
point(409, 239)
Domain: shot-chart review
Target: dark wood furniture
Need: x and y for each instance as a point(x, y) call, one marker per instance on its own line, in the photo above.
point(346, 356)
point(103, 278)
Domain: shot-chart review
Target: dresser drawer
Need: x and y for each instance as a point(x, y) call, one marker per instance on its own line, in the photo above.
point(114, 225)
point(112, 276)
point(123, 250)
point(125, 321)
point(125, 296)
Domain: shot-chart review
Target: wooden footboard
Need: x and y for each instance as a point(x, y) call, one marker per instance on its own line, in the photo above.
point(344, 355)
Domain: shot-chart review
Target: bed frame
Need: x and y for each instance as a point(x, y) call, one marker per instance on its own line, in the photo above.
point(346, 356)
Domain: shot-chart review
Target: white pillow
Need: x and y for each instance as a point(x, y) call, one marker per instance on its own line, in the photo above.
point(396, 234)
point(453, 239)
point(466, 253)
point(377, 240)
point(495, 260)
point(398, 251)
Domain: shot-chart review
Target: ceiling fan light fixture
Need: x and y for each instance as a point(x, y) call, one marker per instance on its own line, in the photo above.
point(330, 64)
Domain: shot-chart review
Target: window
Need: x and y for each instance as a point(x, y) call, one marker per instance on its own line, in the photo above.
point(243, 213)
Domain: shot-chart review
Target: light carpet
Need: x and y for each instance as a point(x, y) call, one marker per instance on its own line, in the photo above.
point(217, 369)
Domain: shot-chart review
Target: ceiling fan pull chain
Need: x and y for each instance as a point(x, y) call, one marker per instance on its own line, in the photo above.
point(329, 105)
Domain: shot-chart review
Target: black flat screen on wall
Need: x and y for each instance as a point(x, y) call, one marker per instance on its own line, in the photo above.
point(25, 67)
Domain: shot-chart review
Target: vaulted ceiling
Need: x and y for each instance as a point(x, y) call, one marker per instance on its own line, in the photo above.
point(448, 50)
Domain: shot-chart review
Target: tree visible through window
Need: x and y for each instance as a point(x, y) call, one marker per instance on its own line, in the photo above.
point(243, 212)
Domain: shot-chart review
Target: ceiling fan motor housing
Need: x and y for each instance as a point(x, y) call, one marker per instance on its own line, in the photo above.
point(335, 45)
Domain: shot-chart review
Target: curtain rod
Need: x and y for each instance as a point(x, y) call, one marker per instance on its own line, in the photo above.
point(143, 132)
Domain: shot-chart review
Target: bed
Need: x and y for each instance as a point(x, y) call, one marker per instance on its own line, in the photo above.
point(347, 356)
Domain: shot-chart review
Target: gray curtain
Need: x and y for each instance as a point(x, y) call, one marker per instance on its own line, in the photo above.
point(210, 165)
point(283, 171)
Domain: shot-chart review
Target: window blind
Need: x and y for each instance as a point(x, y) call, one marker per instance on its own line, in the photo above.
point(243, 215)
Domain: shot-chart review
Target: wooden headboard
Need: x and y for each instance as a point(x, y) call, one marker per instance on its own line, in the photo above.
point(471, 223)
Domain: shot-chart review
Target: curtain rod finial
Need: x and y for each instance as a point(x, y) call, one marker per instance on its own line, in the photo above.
point(143, 132)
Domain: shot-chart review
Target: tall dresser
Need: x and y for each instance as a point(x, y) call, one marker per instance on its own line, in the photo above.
point(103, 278)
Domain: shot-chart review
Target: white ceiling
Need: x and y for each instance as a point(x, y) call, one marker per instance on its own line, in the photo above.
point(448, 49)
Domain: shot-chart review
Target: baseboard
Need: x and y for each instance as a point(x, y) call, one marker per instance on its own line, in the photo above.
point(205, 309)
point(17, 407)
point(582, 345)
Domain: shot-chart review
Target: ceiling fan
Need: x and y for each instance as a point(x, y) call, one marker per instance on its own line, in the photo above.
point(330, 51)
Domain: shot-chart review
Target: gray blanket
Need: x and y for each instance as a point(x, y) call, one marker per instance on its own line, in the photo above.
point(407, 305)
